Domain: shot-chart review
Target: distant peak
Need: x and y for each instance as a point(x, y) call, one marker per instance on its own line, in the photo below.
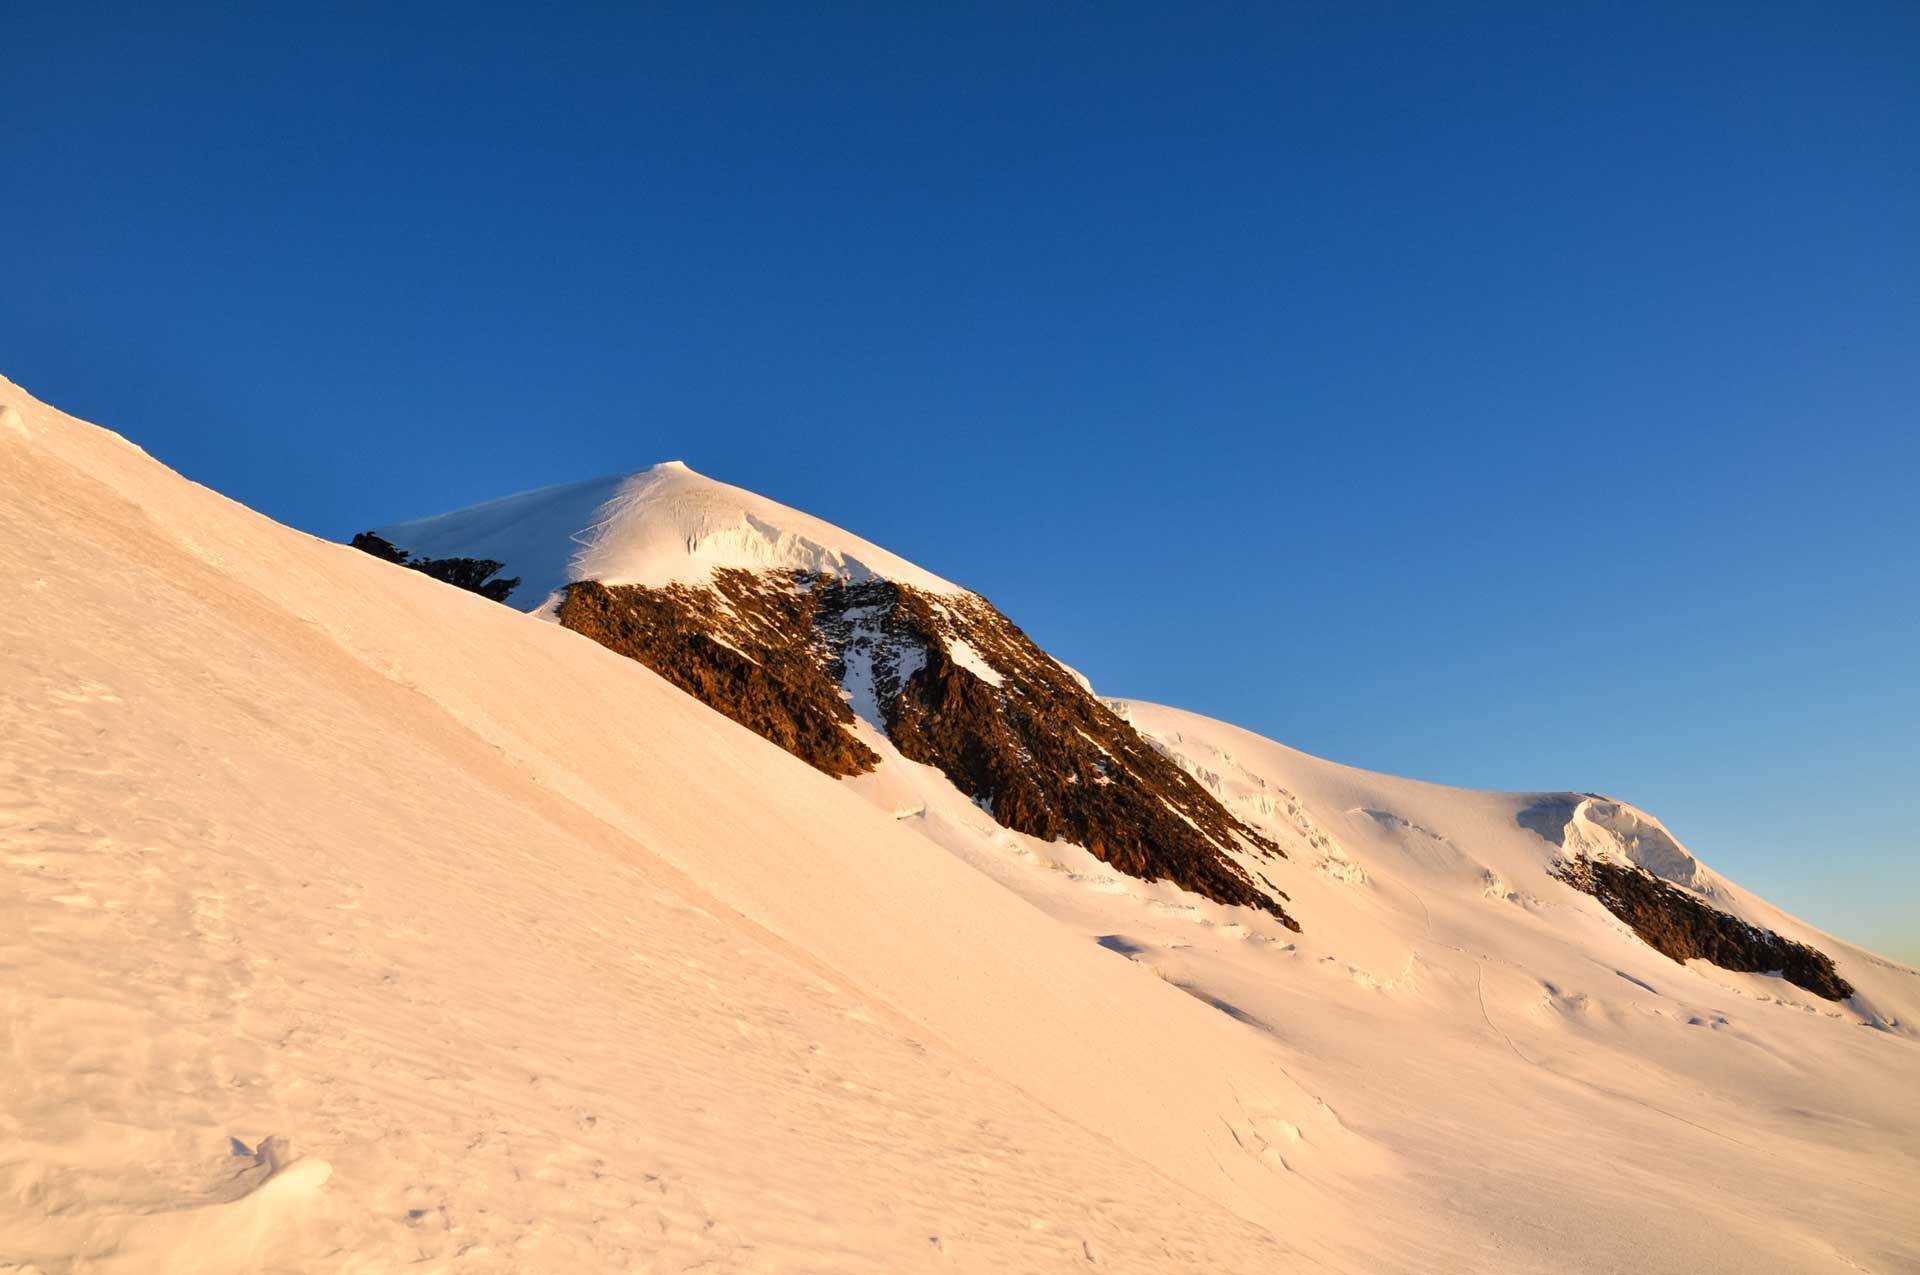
point(661, 525)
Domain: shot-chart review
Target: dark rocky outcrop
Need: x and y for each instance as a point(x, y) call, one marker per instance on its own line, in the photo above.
point(746, 647)
point(1678, 925)
point(954, 684)
point(381, 548)
point(1047, 757)
point(475, 575)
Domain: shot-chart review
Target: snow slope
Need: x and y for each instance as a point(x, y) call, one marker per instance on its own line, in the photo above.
point(661, 525)
point(354, 922)
point(1550, 1091)
point(1535, 1072)
point(536, 963)
point(1530, 1066)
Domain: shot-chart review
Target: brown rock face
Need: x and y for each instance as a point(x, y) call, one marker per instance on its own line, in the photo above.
point(1681, 927)
point(1048, 758)
point(955, 685)
point(775, 686)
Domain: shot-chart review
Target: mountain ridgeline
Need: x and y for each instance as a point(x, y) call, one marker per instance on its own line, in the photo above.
point(837, 651)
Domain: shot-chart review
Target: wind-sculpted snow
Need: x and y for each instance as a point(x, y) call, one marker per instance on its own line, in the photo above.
point(1585, 824)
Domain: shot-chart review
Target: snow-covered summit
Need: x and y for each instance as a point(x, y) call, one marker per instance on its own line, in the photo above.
point(1601, 828)
point(662, 525)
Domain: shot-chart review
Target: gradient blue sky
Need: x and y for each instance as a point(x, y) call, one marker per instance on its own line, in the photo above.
point(1519, 397)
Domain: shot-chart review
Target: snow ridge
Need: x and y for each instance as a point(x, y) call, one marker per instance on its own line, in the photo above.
point(662, 525)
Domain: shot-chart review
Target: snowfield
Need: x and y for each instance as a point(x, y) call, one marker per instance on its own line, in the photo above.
point(355, 923)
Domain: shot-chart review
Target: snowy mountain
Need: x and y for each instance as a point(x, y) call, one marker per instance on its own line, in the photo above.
point(355, 922)
point(822, 642)
point(658, 526)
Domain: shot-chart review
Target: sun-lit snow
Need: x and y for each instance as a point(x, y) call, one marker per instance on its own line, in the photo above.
point(353, 922)
point(1539, 1077)
point(975, 663)
point(533, 961)
point(663, 525)
point(1612, 830)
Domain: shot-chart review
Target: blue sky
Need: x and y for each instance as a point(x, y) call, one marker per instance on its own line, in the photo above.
point(1520, 397)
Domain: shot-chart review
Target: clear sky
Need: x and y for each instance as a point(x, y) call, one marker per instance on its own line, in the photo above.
point(1520, 397)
